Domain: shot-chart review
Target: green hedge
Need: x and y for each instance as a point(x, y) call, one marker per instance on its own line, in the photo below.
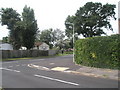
point(101, 52)
point(68, 52)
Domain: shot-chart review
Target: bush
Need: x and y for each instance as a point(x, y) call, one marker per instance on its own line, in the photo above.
point(101, 52)
point(68, 52)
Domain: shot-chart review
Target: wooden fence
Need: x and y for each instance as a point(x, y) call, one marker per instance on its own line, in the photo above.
point(27, 53)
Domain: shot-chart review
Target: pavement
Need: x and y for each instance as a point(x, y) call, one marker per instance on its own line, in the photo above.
point(67, 66)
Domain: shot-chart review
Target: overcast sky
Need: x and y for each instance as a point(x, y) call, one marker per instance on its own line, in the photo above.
point(52, 13)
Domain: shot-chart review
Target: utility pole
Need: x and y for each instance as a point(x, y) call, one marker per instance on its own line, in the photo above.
point(119, 17)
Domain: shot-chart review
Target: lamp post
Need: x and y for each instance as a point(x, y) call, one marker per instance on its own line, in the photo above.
point(73, 36)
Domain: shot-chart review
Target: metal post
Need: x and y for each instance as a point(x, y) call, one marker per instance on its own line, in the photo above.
point(73, 37)
point(73, 43)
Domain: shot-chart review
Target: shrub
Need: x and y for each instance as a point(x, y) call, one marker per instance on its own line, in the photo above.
point(68, 52)
point(101, 52)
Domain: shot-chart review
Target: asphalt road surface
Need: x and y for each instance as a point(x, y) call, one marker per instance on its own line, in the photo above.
point(17, 74)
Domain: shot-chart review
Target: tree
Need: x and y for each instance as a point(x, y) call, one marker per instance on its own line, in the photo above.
point(51, 36)
point(64, 44)
point(58, 35)
point(69, 30)
point(69, 27)
point(60, 44)
point(23, 29)
point(29, 27)
point(92, 18)
point(5, 39)
point(47, 37)
point(10, 17)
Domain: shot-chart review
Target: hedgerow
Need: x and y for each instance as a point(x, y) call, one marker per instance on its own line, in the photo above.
point(100, 52)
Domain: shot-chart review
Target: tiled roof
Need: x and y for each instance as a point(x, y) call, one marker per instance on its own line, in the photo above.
point(38, 43)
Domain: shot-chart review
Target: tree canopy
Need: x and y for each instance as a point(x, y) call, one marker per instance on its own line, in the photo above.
point(69, 27)
point(90, 19)
point(46, 36)
point(29, 29)
point(23, 29)
point(5, 39)
point(10, 17)
point(51, 36)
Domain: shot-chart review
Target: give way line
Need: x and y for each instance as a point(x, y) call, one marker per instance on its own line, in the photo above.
point(10, 69)
point(58, 80)
point(45, 77)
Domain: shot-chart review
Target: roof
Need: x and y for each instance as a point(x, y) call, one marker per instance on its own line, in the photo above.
point(3, 43)
point(38, 43)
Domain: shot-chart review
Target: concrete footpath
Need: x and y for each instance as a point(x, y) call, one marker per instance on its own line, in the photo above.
point(68, 66)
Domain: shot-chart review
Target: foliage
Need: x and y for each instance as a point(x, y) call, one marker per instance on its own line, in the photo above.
point(22, 29)
point(29, 27)
point(90, 19)
point(51, 36)
point(58, 35)
point(69, 27)
point(5, 39)
point(10, 17)
point(63, 44)
point(46, 36)
point(68, 52)
point(102, 52)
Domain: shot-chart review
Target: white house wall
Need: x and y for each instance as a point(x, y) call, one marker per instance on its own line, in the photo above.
point(44, 46)
point(6, 46)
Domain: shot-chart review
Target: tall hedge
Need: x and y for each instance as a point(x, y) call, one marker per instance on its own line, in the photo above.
point(101, 52)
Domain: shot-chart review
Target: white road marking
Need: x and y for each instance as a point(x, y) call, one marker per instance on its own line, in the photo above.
point(38, 60)
point(53, 79)
point(45, 68)
point(6, 62)
point(0, 67)
point(67, 71)
point(59, 68)
point(10, 62)
point(38, 67)
point(10, 69)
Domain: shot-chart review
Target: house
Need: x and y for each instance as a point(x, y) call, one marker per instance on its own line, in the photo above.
point(5, 46)
point(23, 48)
point(41, 46)
point(38, 46)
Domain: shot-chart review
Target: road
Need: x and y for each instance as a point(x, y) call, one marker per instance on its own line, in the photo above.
point(17, 74)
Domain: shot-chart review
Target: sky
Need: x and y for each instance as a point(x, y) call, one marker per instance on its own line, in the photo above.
point(53, 13)
point(118, 9)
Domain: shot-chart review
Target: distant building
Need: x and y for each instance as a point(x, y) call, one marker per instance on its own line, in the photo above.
point(23, 48)
point(5, 46)
point(38, 46)
point(41, 46)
